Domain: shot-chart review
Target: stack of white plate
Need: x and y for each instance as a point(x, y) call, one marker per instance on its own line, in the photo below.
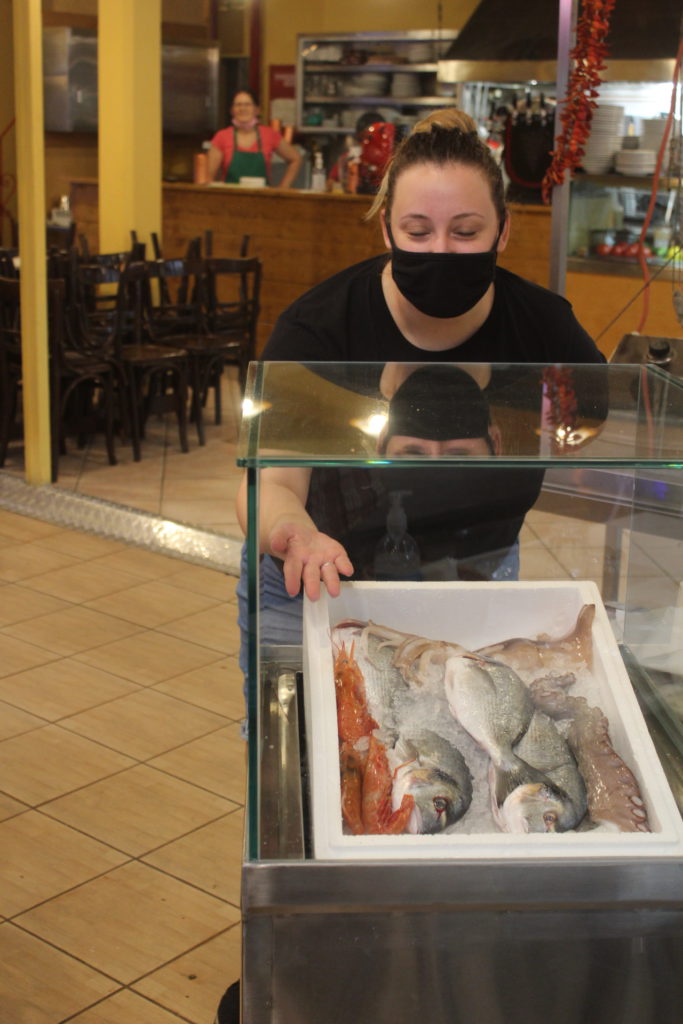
point(651, 133)
point(419, 52)
point(403, 85)
point(607, 128)
point(637, 162)
point(366, 83)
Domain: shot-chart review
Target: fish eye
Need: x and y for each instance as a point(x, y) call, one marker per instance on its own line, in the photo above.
point(440, 804)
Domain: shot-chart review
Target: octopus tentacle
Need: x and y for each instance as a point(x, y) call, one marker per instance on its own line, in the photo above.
point(613, 794)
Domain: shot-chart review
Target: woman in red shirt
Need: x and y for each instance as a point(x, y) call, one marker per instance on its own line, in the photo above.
point(244, 149)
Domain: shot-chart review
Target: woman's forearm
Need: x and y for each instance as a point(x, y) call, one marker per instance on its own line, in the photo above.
point(282, 499)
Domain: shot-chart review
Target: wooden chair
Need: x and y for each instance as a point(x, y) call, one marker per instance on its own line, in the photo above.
point(82, 383)
point(231, 302)
point(156, 375)
point(10, 364)
point(228, 293)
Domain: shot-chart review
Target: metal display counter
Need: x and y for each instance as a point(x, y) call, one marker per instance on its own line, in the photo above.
point(495, 939)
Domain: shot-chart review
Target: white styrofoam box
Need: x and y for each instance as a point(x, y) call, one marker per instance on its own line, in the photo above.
point(476, 615)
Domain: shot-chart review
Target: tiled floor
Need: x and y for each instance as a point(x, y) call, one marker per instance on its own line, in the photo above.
point(196, 487)
point(121, 768)
point(122, 781)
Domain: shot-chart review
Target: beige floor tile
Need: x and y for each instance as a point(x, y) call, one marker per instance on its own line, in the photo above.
point(17, 655)
point(9, 807)
point(130, 921)
point(81, 545)
point(539, 564)
point(209, 628)
point(18, 603)
point(217, 687)
point(129, 1007)
point(83, 582)
point(210, 857)
point(41, 985)
point(71, 630)
point(142, 499)
point(148, 657)
point(42, 858)
point(144, 724)
point(138, 810)
point(62, 688)
point(26, 560)
point(204, 581)
point(23, 528)
point(580, 563)
point(49, 762)
point(151, 604)
point(217, 762)
point(217, 489)
point(14, 721)
point(194, 983)
point(195, 510)
point(212, 463)
point(147, 565)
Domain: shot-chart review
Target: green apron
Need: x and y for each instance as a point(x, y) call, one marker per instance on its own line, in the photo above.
point(245, 165)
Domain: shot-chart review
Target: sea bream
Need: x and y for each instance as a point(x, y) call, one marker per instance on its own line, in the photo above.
point(435, 773)
point(536, 807)
point(493, 705)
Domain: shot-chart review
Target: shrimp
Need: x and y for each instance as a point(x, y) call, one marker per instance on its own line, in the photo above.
point(378, 818)
point(353, 715)
point(351, 764)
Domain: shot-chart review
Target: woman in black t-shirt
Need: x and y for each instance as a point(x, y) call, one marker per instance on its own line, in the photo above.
point(436, 297)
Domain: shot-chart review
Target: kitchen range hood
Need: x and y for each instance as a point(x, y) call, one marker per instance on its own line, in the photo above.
point(505, 42)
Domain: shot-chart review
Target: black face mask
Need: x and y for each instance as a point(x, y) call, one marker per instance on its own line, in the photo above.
point(442, 284)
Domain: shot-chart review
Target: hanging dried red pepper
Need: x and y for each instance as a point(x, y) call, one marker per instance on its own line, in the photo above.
point(588, 57)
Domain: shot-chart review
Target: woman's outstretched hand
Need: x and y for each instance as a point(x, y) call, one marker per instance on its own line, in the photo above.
point(309, 557)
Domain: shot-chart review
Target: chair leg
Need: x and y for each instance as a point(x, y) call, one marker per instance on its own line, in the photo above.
point(197, 408)
point(217, 405)
point(108, 394)
point(134, 411)
point(181, 405)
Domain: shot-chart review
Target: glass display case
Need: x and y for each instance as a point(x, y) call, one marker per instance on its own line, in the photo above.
point(340, 77)
point(606, 217)
point(429, 491)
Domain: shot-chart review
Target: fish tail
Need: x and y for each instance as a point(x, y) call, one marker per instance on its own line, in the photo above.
point(582, 637)
point(511, 773)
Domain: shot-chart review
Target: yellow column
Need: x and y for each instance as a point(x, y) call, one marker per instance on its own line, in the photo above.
point(129, 112)
point(28, 88)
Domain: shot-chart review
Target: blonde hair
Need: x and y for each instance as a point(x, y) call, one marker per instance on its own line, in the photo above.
point(445, 136)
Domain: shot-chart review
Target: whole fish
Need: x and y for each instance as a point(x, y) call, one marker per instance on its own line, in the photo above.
point(435, 773)
point(559, 655)
point(494, 706)
point(555, 806)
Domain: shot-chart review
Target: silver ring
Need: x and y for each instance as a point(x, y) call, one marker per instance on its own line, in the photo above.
point(323, 564)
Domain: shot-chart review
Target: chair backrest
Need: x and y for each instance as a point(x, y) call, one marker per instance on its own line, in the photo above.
point(179, 304)
point(133, 304)
point(232, 290)
point(10, 319)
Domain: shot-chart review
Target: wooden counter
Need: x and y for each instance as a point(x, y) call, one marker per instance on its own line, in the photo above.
point(301, 237)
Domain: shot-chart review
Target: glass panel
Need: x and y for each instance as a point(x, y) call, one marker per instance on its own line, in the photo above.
point(434, 473)
point(332, 414)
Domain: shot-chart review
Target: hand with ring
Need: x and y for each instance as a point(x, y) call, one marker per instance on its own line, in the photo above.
point(309, 557)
